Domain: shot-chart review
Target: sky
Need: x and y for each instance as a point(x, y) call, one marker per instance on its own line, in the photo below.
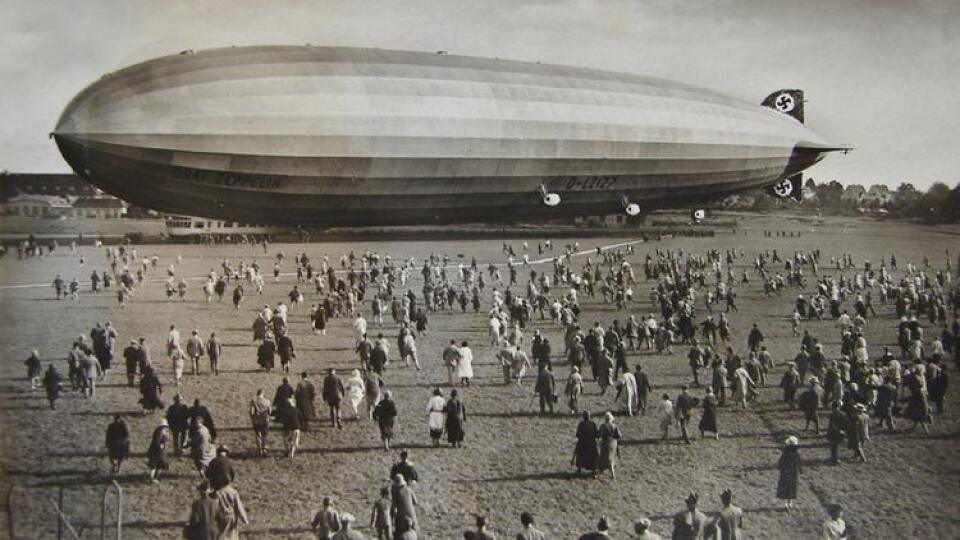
point(879, 75)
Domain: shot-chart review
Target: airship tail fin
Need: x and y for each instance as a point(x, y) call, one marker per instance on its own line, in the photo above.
point(788, 102)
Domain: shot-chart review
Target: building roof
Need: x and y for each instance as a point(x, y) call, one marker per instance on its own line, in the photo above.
point(52, 201)
point(98, 202)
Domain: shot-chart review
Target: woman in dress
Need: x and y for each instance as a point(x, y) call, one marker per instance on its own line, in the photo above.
point(355, 392)
point(157, 451)
point(150, 389)
point(320, 321)
point(790, 467)
point(436, 417)
point(456, 416)
point(290, 420)
point(610, 435)
point(585, 455)
point(53, 384)
point(118, 443)
point(708, 420)
point(465, 364)
point(386, 414)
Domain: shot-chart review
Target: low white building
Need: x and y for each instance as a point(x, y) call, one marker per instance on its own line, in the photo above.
point(47, 206)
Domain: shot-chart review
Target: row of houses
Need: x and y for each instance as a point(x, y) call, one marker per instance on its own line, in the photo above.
point(55, 196)
point(876, 194)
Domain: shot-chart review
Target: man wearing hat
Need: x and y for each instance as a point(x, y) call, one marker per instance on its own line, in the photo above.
point(809, 403)
point(346, 532)
point(688, 524)
point(482, 533)
point(602, 532)
point(404, 504)
point(729, 521)
point(642, 528)
point(858, 430)
point(326, 521)
point(529, 532)
point(131, 356)
point(220, 472)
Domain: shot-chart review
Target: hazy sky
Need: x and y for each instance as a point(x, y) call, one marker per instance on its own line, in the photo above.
point(881, 75)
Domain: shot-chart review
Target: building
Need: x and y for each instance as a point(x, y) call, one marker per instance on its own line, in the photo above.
point(46, 206)
point(854, 195)
point(879, 195)
point(99, 207)
point(62, 185)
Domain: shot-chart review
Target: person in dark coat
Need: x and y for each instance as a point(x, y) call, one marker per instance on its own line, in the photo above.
point(178, 418)
point(266, 353)
point(937, 385)
point(385, 413)
point(203, 413)
point(304, 395)
point(202, 524)
point(289, 418)
point(643, 388)
point(790, 468)
point(546, 387)
point(220, 472)
point(682, 410)
point(790, 383)
point(585, 454)
point(320, 320)
point(157, 451)
point(708, 420)
point(836, 426)
point(118, 443)
point(285, 350)
point(456, 417)
point(333, 395)
point(34, 369)
point(284, 392)
point(131, 357)
point(53, 384)
point(150, 390)
point(809, 403)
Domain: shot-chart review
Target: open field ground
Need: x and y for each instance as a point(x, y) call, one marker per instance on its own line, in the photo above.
point(513, 459)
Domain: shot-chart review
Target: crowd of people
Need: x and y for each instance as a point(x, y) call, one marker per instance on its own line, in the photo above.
point(854, 390)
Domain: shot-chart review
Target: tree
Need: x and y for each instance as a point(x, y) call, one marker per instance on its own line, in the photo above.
point(905, 198)
point(829, 194)
point(935, 205)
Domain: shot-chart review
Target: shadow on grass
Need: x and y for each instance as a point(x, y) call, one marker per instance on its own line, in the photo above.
point(807, 463)
point(122, 479)
point(127, 413)
point(525, 414)
point(552, 475)
point(52, 474)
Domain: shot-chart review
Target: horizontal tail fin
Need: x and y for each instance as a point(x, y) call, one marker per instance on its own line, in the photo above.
point(788, 102)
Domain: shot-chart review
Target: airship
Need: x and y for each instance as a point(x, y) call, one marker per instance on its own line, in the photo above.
point(335, 136)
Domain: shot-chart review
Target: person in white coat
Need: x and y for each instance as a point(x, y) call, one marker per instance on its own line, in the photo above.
point(465, 364)
point(436, 415)
point(355, 390)
point(627, 392)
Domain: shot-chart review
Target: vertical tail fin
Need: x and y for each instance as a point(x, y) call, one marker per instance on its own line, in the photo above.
point(788, 102)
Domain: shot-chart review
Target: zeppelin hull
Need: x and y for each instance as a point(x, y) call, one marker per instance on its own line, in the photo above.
point(304, 135)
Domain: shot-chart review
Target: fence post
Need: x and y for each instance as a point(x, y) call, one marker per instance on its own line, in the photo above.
point(10, 511)
point(103, 510)
point(119, 510)
point(59, 515)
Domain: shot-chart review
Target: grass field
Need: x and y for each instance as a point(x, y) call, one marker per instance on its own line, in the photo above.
point(513, 459)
